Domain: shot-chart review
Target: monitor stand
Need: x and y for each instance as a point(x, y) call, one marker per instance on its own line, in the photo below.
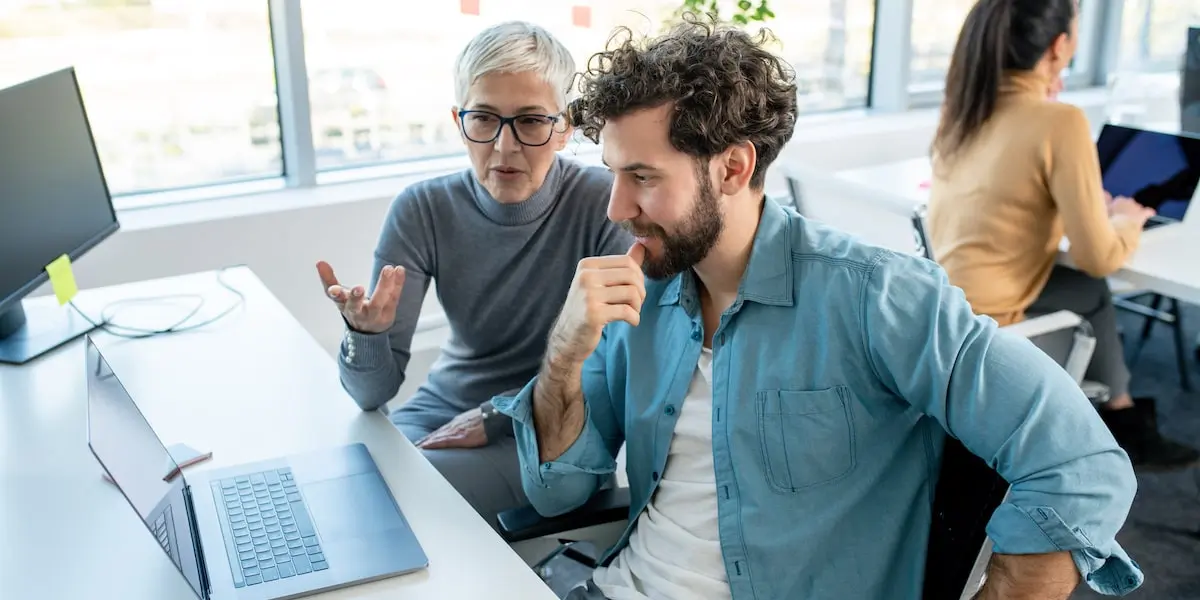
point(27, 332)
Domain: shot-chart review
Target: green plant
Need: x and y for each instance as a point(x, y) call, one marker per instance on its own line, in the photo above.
point(745, 11)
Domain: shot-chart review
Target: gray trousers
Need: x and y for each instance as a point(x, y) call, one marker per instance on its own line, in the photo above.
point(488, 477)
point(1091, 299)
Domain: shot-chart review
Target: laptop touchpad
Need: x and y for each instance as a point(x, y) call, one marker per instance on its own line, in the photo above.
point(351, 507)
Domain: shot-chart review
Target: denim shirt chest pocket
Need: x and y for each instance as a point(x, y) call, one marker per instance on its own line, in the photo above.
point(806, 437)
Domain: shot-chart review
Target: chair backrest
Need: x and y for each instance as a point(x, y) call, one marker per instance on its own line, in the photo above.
point(795, 193)
point(921, 232)
point(869, 213)
point(969, 491)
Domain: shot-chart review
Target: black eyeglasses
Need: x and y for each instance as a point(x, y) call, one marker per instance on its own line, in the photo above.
point(483, 127)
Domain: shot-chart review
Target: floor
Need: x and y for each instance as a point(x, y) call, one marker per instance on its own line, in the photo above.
point(1163, 530)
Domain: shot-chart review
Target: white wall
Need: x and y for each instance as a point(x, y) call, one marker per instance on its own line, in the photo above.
point(282, 246)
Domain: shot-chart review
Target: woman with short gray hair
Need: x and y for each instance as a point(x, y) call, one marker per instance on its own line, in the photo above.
point(501, 240)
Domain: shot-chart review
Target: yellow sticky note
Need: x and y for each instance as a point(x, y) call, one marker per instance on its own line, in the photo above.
point(62, 279)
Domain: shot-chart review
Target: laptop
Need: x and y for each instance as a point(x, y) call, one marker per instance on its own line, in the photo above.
point(287, 527)
point(1159, 170)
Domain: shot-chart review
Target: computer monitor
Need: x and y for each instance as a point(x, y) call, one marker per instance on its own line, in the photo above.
point(54, 200)
point(1189, 85)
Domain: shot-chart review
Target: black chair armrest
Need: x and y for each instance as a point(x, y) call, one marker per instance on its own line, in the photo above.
point(524, 523)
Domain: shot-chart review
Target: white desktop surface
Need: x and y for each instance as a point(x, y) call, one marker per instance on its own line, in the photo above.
point(252, 386)
point(1165, 261)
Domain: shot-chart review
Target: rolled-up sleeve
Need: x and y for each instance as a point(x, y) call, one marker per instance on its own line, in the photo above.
point(1009, 403)
point(562, 485)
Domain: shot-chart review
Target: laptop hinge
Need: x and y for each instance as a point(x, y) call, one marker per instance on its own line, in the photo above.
point(205, 584)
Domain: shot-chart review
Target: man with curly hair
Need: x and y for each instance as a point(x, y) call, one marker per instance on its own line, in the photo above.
point(784, 390)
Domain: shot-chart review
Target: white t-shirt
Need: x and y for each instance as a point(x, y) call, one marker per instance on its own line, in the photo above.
point(675, 550)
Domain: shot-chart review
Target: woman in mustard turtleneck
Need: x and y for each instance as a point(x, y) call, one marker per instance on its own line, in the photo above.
point(1014, 172)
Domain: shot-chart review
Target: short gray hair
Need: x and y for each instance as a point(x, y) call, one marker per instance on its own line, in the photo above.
point(515, 47)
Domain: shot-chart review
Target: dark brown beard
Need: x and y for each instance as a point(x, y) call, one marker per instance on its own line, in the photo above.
point(695, 239)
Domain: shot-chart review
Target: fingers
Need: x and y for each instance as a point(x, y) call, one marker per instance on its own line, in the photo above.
point(354, 300)
point(629, 295)
point(1126, 203)
point(339, 295)
point(615, 262)
point(328, 279)
point(611, 271)
point(433, 435)
point(388, 289)
point(598, 278)
point(437, 442)
point(445, 438)
point(330, 283)
point(621, 312)
point(637, 252)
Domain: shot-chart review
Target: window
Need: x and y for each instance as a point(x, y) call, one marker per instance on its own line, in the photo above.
point(935, 28)
point(1154, 34)
point(170, 86)
point(382, 88)
point(828, 43)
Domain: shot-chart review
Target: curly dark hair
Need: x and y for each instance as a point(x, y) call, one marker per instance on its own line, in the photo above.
point(726, 87)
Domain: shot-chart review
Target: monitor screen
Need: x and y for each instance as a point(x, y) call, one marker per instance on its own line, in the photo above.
point(136, 460)
point(53, 196)
point(1159, 170)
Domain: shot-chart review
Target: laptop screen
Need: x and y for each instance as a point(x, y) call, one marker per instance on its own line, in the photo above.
point(1159, 170)
point(131, 453)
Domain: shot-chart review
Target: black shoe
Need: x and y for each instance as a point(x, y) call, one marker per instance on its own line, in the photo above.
point(1136, 431)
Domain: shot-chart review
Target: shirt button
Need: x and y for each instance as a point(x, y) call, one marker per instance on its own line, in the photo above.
point(670, 410)
point(722, 339)
point(654, 476)
point(696, 335)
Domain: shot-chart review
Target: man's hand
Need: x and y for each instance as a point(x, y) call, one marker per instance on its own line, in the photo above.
point(1030, 577)
point(464, 431)
point(367, 315)
point(605, 289)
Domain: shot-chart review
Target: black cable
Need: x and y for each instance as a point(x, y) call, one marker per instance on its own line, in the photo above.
point(105, 322)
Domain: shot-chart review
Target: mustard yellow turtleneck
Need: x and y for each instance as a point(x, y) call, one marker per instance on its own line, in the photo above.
point(999, 208)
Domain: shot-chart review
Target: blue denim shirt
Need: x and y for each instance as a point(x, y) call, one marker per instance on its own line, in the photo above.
point(837, 373)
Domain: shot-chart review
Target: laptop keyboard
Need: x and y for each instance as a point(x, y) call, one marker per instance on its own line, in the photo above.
point(163, 527)
point(1157, 221)
point(269, 533)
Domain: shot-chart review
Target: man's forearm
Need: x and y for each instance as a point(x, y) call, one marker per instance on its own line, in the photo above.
point(1030, 577)
point(558, 410)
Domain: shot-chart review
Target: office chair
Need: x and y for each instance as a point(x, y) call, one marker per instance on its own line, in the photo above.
point(920, 232)
point(1153, 312)
point(795, 193)
point(1097, 392)
point(967, 493)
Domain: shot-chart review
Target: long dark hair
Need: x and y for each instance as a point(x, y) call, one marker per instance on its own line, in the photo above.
point(998, 36)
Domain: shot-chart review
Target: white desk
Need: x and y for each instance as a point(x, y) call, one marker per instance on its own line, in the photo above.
point(1165, 261)
point(67, 534)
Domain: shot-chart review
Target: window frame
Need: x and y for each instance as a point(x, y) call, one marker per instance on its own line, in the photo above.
point(1088, 70)
point(887, 92)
